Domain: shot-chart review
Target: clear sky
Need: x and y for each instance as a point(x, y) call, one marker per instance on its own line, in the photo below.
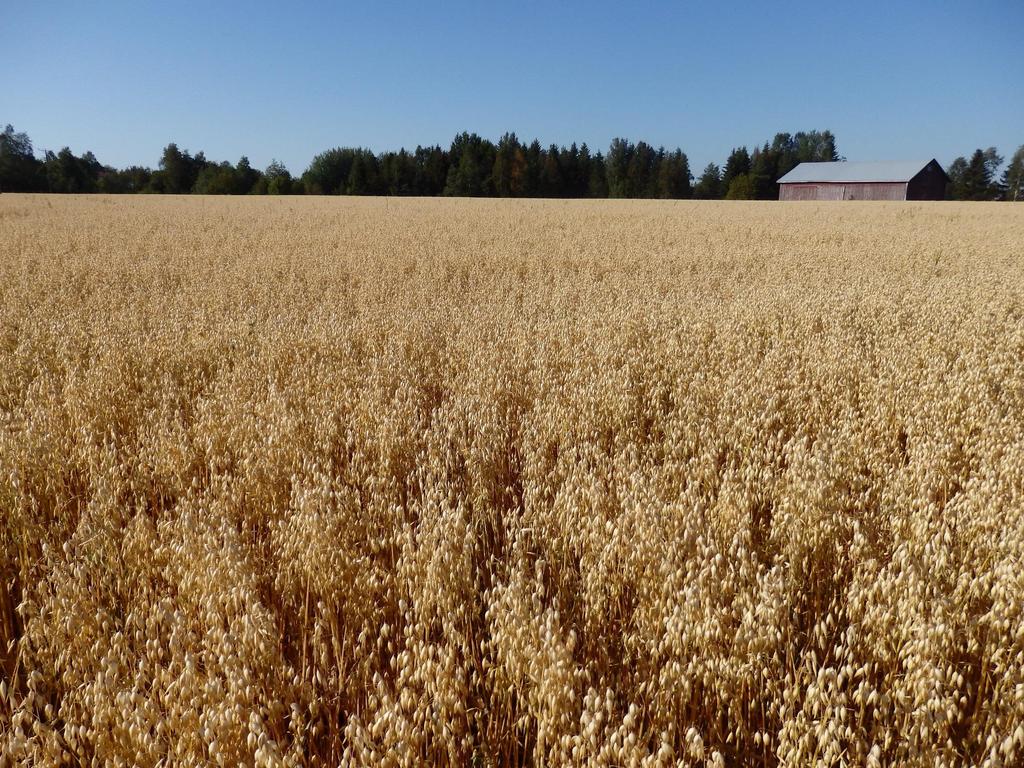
point(896, 79)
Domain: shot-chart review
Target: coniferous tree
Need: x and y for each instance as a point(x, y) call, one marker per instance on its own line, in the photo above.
point(569, 165)
point(534, 166)
point(508, 161)
point(617, 168)
point(975, 179)
point(464, 177)
point(246, 177)
point(955, 172)
point(472, 160)
point(584, 169)
point(709, 185)
point(364, 174)
point(778, 159)
point(737, 164)
point(643, 164)
point(20, 171)
point(397, 173)
point(674, 177)
point(431, 170)
point(551, 174)
point(597, 185)
point(763, 173)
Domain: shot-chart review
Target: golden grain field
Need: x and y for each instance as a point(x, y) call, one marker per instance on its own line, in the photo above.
point(487, 483)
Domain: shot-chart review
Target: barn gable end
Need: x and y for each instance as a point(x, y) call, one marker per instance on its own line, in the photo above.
point(929, 184)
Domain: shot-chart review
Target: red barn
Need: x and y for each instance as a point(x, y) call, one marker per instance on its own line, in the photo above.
point(904, 180)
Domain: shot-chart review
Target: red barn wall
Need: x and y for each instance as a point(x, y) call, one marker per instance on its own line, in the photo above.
point(876, 190)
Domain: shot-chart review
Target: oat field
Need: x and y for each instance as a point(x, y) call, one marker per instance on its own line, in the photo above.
point(310, 481)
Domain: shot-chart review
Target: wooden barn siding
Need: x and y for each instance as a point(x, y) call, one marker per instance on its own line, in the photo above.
point(810, 192)
point(844, 191)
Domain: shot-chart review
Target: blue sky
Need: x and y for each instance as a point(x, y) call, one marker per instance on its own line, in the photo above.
point(890, 79)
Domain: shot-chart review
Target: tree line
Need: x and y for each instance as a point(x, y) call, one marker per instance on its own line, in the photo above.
point(473, 166)
point(977, 179)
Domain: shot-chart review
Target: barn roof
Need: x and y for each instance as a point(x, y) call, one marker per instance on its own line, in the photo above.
point(864, 172)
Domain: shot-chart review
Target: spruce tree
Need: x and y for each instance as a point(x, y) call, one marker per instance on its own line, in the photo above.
point(709, 184)
point(737, 164)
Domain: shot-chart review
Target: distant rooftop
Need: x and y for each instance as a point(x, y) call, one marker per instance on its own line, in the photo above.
point(898, 170)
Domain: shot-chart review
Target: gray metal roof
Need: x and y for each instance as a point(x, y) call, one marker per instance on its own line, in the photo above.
point(899, 170)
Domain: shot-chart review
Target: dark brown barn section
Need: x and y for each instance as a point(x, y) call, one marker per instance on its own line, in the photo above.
point(914, 180)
